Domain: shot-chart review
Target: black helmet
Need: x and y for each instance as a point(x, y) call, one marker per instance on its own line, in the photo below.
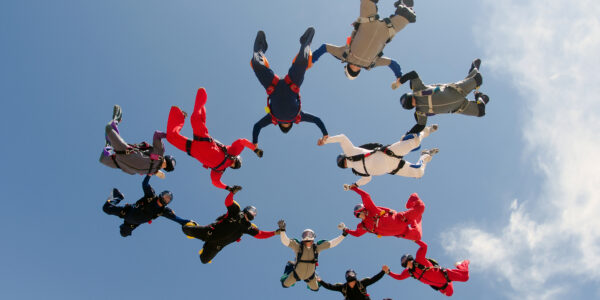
point(405, 259)
point(340, 161)
point(237, 162)
point(250, 212)
point(170, 163)
point(285, 129)
point(162, 195)
point(350, 73)
point(350, 275)
point(358, 208)
point(406, 101)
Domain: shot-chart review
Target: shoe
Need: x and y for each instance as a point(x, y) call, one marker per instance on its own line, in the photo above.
point(260, 43)
point(116, 196)
point(407, 3)
point(307, 37)
point(431, 152)
point(483, 97)
point(117, 113)
point(475, 64)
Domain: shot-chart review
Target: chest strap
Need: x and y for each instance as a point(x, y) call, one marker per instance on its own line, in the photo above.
point(294, 87)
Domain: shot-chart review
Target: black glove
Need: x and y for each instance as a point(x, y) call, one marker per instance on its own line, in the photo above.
point(233, 189)
point(258, 152)
point(345, 232)
point(281, 224)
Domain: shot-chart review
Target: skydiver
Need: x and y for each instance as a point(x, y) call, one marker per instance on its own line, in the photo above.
point(210, 152)
point(135, 159)
point(307, 257)
point(228, 228)
point(284, 107)
point(364, 48)
point(429, 272)
point(384, 221)
point(434, 99)
point(144, 210)
point(354, 289)
point(376, 159)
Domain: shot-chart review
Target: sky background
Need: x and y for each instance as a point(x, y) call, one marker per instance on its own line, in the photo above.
point(516, 191)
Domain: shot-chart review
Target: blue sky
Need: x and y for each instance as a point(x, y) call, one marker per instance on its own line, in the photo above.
point(511, 191)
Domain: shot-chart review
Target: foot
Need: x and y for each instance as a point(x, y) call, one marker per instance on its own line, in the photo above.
point(307, 37)
point(116, 196)
point(475, 64)
point(430, 152)
point(407, 3)
point(260, 43)
point(117, 113)
point(482, 97)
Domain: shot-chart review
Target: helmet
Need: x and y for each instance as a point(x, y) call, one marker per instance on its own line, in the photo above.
point(170, 163)
point(285, 129)
point(237, 162)
point(350, 73)
point(250, 212)
point(340, 161)
point(350, 275)
point(358, 208)
point(308, 235)
point(405, 259)
point(164, 195)
point(406, 101)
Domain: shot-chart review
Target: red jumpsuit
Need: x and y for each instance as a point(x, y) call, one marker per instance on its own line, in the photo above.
point(209, 153)
point(387, 222)
point(435, 275)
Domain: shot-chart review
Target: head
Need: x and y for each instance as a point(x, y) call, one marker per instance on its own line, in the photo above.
point(408, 101)
point(308, 237)
point(169, 163)
point(250, 212)
point(341, 161)
point(285, 127)
point(406, 261)
point(359, 211)
point(236, 162)
point(351, 71)
point(350, 276)
point(165, 197)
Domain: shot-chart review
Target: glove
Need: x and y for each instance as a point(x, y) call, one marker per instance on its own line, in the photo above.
point(341, 226)
point(281, 224)
point(233, 189)
point(259, 152)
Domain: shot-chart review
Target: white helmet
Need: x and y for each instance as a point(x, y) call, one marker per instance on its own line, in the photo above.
point(308, 235)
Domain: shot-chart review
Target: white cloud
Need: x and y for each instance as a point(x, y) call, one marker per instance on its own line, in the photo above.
point(551, 49)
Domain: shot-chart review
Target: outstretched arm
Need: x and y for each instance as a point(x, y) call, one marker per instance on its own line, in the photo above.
point(336, 241)
point(422, 251)
point(238, 146)
point(400, 276)
point(170, 214)
point(264, 122)
point(363, 180)
point(215, 177)
point(157, 144)
point(333, 287)
point(360, 230)
point(421, 119)
point(306, 117)
point(345, 143)
point(264, 234)
point(317, 53)
point(148, 190)
point(367, 201)
point(369, 281)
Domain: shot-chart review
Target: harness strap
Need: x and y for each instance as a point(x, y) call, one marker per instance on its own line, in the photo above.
point(368, 19)
point(188, 147)
point(391, 30)
point(227, 156)
point(203, 139)
point(271, 87)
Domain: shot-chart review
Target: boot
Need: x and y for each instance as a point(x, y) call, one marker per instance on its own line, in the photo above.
point(117, 114)
point(307, 37)
point(475, 65)
point(116, 196)
point(482, 97)
point(260, 43)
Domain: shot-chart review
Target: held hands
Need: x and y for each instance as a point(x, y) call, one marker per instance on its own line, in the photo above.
point(396, 84)
point(281, 224)
point(160, 174)
point(322, 140)
point(347, 187)
point(341, 226)
point(259, 152)
point(233, 189)
point(385, 269)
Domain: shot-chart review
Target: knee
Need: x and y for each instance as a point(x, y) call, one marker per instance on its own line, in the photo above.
point(204, 260)
point(106, 207)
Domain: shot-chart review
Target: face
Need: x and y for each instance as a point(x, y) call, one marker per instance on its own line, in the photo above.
point(354, 67)
point(352, 283)
point(285, 125)
point(414, 102)
point(362, 216)
point(166, 199)
point(309, 244)
point(409, 264)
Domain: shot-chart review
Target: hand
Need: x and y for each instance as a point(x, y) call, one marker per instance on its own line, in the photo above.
point(341, 226)
point(160, 174)
point(259, 152)
point(396, 84)
point(385, 269)
point(233, 189)
point(281, 224)
point(318, 278)
point(322, 140)
point(346, 187)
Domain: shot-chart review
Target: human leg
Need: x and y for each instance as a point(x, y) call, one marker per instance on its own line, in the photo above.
point(196, 231)
point(313, 285)
point(209, 251)
point(174, 125)
point(126, 228)
point(198, 118)
point(402, 16)
point(461, 273)
point(301, 62)
point(113, 138)
point(412, 141)
point(259, 63)
point(290, 280)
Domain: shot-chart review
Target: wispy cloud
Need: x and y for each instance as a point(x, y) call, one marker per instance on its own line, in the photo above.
point(551, 50)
